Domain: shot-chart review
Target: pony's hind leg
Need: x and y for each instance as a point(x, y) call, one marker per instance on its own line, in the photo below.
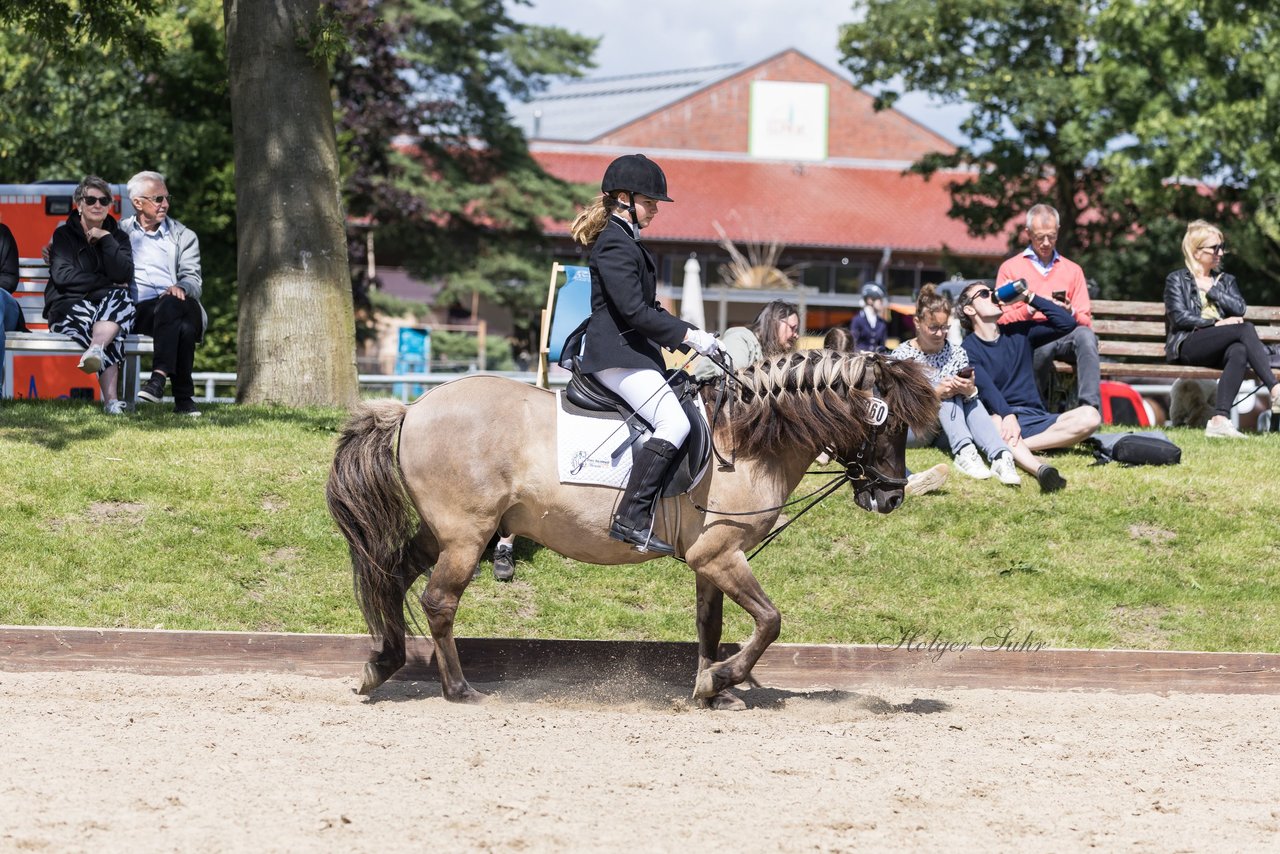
point(710, 626)
point(440, 600)
point(389, 655)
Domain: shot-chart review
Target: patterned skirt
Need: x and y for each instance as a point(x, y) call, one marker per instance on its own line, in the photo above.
point(78, 323)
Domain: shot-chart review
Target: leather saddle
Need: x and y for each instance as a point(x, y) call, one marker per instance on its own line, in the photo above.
point(586, 394)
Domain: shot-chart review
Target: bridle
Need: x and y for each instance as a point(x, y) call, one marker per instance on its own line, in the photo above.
point(859, 471)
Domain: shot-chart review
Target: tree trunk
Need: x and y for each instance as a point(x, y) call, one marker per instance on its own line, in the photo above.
point(297, 325)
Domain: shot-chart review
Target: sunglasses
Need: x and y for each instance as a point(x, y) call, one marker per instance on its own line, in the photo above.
point(1216, 249)
point(104, 201)
point(980, 293)
point(157, 200)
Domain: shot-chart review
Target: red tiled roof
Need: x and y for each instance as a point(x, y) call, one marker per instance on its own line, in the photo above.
point(820, 205)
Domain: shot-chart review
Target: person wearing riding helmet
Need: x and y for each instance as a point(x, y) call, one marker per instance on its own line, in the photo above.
point(868, 327)
point(619, 343)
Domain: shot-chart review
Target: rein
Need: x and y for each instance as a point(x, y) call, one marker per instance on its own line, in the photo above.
point(723, 403)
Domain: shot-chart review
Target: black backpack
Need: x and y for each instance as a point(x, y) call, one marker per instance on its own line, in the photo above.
point(1145, 448)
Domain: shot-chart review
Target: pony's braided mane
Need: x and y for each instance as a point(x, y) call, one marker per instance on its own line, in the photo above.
point(817, 399)
point(811, 399)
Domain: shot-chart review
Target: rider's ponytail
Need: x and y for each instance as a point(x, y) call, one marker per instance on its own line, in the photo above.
point(588, 224)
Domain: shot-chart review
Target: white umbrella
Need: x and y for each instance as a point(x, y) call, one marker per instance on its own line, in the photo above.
point(691, 302)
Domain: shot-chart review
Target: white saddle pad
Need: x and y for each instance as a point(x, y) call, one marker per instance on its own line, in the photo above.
point(594, 450)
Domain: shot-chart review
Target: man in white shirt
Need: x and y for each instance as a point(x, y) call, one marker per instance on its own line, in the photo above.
point(166, 290)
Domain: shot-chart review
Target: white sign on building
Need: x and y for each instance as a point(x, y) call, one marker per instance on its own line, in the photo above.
point(788, 120)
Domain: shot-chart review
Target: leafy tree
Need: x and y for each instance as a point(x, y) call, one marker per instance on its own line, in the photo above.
point(1188, 89)
point(1014, 61)
point(1093, 108)
point(121, 24)
point(430, 154)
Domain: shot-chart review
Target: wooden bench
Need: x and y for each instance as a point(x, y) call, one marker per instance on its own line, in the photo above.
point(33, 274)
point(1131, 340)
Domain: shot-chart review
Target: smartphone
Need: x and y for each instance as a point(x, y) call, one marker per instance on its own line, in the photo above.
point(1060, 296)
point(966, 372)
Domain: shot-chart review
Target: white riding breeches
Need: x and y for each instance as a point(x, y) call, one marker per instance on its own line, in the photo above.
point(650, 396)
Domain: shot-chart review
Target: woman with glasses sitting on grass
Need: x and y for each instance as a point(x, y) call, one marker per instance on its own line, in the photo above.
point(965, 422)
point(1205, 326)
point(87, 297)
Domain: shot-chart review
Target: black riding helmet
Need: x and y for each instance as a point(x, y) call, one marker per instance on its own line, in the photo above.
point(636, 173)
point(633, 173)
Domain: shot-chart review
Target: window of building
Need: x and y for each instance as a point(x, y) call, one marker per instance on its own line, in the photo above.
point(907, 280)
point(850, 277)
point(817, 276)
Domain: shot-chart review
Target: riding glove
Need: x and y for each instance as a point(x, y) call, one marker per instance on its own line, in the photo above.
point(704, 342)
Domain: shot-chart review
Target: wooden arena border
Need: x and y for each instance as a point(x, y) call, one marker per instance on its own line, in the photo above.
point(916, 661)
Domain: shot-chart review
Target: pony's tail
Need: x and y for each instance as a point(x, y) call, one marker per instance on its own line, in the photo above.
point(368, 501)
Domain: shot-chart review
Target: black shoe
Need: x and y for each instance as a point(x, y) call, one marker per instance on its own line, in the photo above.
point(641, 539)
point(185, 407)
point(1049, 479)
point(152, 390)
point(503, 567)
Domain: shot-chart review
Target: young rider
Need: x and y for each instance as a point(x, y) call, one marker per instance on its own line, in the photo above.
point(620, 346)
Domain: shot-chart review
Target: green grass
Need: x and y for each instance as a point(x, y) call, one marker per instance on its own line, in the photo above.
point(219, 523)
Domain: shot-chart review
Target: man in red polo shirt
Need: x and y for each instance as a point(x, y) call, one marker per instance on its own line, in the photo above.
point(1050, 275)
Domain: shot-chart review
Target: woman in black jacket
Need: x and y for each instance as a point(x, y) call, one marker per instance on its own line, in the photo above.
point(87, 297)
point(1205, 325)
point(619, 342)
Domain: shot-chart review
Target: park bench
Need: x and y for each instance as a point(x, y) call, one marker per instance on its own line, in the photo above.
point(33, 274)
point(1131, 340)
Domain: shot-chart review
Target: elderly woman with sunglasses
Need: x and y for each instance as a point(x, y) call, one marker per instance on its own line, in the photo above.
point(87, 298)
point(965, 422)
point(1205, 325)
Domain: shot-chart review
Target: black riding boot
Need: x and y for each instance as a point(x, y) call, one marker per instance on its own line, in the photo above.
point(635, 511)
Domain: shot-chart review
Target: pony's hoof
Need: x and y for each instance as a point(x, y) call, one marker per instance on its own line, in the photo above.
point(371, 678)
point(466, 695)
point(705, 688)
point(725, 701)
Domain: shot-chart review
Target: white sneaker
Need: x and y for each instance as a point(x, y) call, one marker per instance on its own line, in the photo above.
point(927, 480)
point(114, 407)
point(970, 462)
point(1222, 430)
point(1003, 468)
point(91, 361)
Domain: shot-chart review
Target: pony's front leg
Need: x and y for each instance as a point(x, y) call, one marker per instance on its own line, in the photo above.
point(710, 625)
point(440, 602)
point(731, 574)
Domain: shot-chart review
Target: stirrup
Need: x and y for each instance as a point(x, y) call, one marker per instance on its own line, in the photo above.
point(639, 541)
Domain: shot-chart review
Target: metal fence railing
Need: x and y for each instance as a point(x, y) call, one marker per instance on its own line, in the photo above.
point(404, 386)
